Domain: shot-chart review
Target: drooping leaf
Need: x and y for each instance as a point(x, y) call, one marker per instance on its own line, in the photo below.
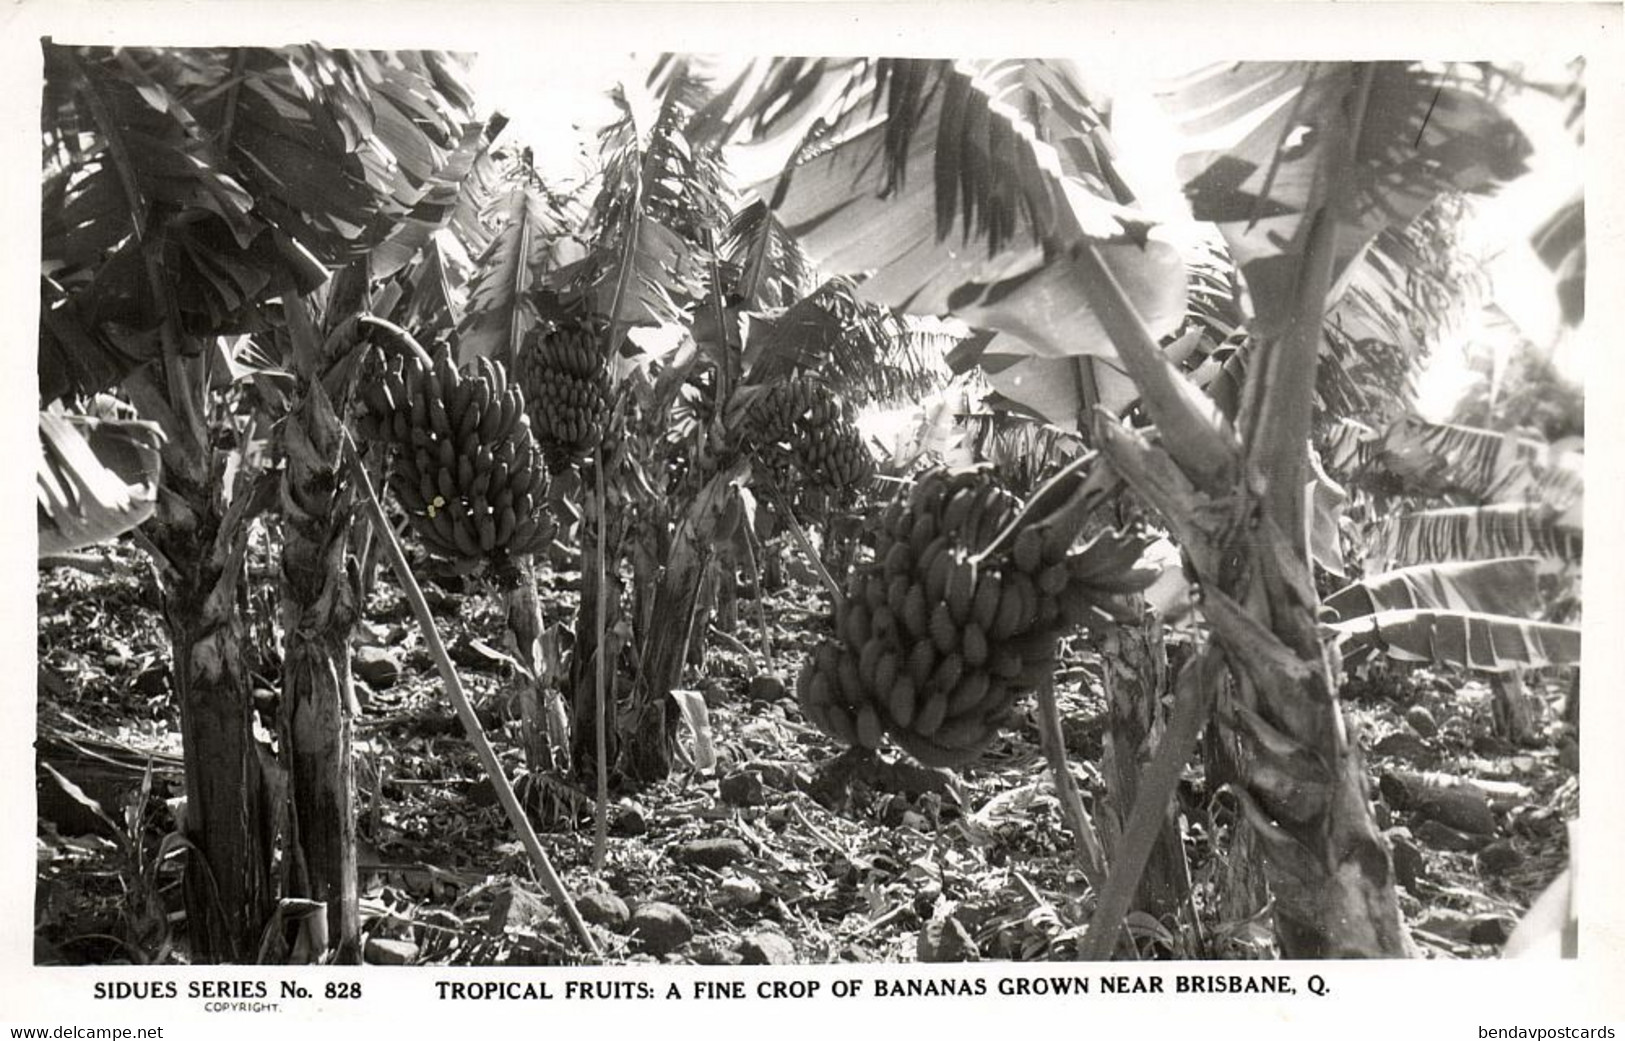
point(80, 354)
point(1474, 533)
point(1503, 586)
point(697, 723)
point(773, 269)
point(337, 147)
point(1418, 457)
point(453, 191)
point(1460, 639)
point(863, 349)
point(663, 197)
point(1265, 134)
point(433, 294)
point(898, 170)
point(96, 480)
point(1560, 243)
point(198, 176)
point(641, 286)
point(527, 247)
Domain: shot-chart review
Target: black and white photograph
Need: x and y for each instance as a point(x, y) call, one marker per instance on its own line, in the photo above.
point(692, 516)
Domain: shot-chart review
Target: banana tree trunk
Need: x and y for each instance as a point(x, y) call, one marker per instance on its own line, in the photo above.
point(1234, 500)
point(522, 610)
point(320, 597)
point(1137, 677)
point(647, 754)
point(583, 663)
point(228, 888)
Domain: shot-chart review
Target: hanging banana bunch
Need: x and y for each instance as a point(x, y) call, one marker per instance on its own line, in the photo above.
point(937, 637)
point(566, 382)
point(803, 438)
point(463, 464)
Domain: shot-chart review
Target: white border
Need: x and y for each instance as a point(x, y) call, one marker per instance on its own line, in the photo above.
point(1410, 998)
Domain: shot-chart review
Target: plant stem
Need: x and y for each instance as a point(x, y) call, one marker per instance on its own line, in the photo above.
point(1091, 858)
point(761, 609)
point(600, 821)
point(1192, 701)
point(459, 699)
point(836, 596)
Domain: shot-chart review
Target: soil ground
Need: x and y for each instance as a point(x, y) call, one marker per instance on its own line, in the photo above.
point(786, 851)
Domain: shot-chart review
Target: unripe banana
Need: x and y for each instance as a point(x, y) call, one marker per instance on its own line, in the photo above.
point(885, 674)
point(968, 695)
point(922, 659)
point(961, 589)
point(985, 605)
point(950, 670)
point(842, 726)
point(867, 725)
point(943, 631)
point(851, 686)
point(868, 659)
point(1029, 550)
point(900, 700)
point(973, 645)
point(931, 714)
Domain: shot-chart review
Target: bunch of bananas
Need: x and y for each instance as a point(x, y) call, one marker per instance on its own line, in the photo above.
point(463, 464)
point(567, 385)
point(937, 638)
point(807, 444)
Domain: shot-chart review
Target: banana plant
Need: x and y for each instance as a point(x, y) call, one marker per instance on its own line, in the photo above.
point(1310, 163)
point(195, 193)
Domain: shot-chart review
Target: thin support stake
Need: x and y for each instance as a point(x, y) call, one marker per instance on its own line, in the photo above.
point(1193, 699)
point(459, 699)
point(1091, 856)
point(600, 695)
point(761, 609)
point(807, 547)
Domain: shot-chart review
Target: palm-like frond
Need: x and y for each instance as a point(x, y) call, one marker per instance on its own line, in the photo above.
point(1505, 586)
point(1475, 533)
point(1262, 131)
point(1024, 451)
point(772, 268)
point(1415, 457)
point(865, 351)
point(1459, 639)
point(528, 246)
point(901, 153)
point(662, 199)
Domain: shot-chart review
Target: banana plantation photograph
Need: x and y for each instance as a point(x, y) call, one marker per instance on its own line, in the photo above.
point(713, 509)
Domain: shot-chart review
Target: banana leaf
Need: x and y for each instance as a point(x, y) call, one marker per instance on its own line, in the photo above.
point(1418, 457)
point(885, 188)
point(97, 479)
point(1561, 244)
point(1461, 639)
point(1504, 586)
point(527, 247)
point(1476, 533)
point(1261, 132)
